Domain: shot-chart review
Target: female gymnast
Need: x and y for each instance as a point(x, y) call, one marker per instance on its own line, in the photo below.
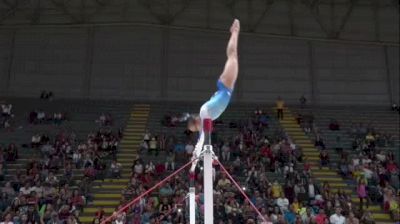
point(216, 105)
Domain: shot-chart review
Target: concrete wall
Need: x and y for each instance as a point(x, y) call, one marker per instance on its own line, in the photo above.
point(393, 72)
point(150, 62)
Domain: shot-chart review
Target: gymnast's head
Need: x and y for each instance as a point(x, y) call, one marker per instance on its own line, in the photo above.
point(194, 123)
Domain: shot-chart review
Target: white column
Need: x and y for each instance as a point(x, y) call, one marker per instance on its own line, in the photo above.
point(208, 186)
point(192, 205)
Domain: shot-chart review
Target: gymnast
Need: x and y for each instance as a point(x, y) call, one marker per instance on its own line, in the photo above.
point(216, 105)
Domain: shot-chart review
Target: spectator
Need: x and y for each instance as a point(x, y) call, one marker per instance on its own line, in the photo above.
point(337, 218)
point(6, 110)
point(12, 153)
point(153, 146)
point(324, 158)
point(334, 125)
point(36, 141)
point(321, 218)
point(115, 169)
point(147, 137)
point(311, 190)
point(226, 154)
point(302, 101)
point(362, 193)
point(283, 203)
point(138, 167)
point(319, 142)
point(189, 148)
point(279, 108)
point(290, 215)
point(394, 107)
point(150, 168)
point(170, 161)
point(276, 190)
point(7, 219)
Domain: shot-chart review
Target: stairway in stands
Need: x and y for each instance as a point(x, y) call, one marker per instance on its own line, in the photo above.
point(311, 156)
point(108, 193)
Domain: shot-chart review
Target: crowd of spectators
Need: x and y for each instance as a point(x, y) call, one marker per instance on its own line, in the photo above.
point(41, 117)
point(374, 168)
point(253, 155)
point(55, 184)
point(367, 163)
point(262, 158)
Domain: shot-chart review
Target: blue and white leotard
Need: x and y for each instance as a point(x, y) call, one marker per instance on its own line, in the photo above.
point(217, 104)
point(212, 109)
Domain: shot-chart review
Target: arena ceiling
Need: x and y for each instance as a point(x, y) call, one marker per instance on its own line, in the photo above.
point(332, 16)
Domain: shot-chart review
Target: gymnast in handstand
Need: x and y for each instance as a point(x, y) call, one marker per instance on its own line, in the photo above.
point(216, 105)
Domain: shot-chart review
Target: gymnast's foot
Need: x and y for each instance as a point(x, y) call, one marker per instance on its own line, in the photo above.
point(235, 28)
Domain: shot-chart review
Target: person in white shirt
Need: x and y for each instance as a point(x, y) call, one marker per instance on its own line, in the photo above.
point(150, 168)
point(6, 110)
point(146, 137)
point(283, 203)
point(138, 168)
point(311, 190)
point(116, 169)
point(337, 218)
point(26, 189)
point(7, 219)
point(226, 154)
point(189, 149)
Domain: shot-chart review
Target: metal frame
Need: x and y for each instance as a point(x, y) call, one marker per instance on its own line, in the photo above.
point(166, 12)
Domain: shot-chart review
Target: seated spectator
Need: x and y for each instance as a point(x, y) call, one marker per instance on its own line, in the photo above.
point(138, 167)
point(290, 215)
point(90, 172)
point(40, 116)
point(189, 148)
point(6, 110)
point(170, 161)
point(11, 153)
point(7, 218)
point(303, 101)
point(26, 189)
point(52, 179)
point(394, 107)
point(283, 203)
point(58, 118)
point(324, 157)
point(153, 146)
point(77, 200)
point(338, 144)
point(276, 190)
point(321, 217)
point(226, 154)
point(337, 218)
point(280, 104)
point(258, 112)
point(319, 142)
point(223, 182)
point(115, 169)
point(150, 168)
point(36, 141)
point(334, 125)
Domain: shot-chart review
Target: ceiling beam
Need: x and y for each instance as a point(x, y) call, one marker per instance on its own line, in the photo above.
point(13, 8)
point(62, 6)
point(313, 6)
point(345, 18)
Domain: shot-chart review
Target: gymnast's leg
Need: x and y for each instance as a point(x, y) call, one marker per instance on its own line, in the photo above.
point(230, 73)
